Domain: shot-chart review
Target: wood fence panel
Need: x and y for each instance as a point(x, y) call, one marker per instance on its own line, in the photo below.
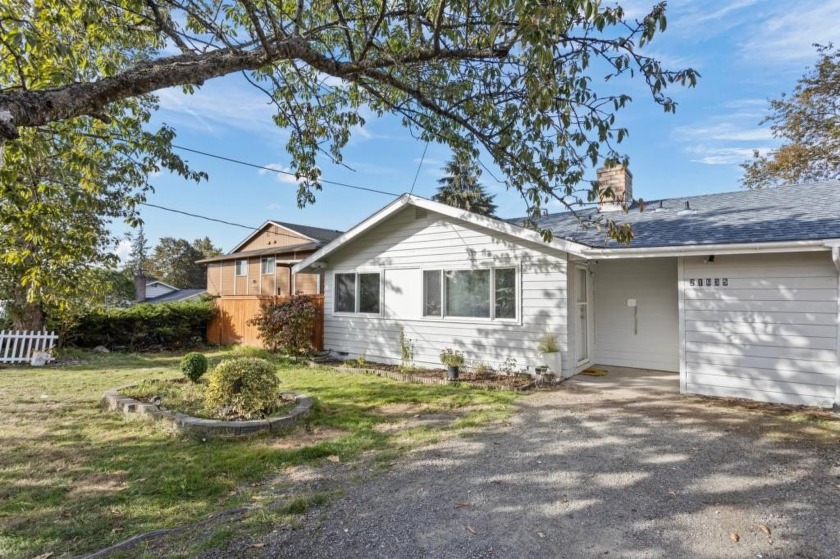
point(231, 323)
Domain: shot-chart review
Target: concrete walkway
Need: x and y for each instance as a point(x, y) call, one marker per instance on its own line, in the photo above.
point(625, 380)
point(597, 469)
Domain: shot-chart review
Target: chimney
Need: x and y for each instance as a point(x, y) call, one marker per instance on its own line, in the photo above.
point(620, 183)
point(139, 288)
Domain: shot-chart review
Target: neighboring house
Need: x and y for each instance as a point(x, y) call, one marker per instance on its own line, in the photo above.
point(156, 291)
point(260, 268)
point(738, 292)
point(261, 265)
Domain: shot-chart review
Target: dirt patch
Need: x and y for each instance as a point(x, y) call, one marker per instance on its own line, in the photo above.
point(306, 437)
point(419, 420)
point(401, 409)
point(98, 484)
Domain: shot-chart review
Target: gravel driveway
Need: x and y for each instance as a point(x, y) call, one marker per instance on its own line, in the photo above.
point(586, 472)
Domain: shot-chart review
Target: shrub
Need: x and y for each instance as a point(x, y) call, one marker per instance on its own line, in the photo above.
point(194, 365)
point(288, 326)
point(548, 344)
point(246, 387)
point(144, 326)
point(406, 351)
point(451, 357)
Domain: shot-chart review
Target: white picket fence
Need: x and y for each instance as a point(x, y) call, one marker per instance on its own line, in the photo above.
point(17, 346)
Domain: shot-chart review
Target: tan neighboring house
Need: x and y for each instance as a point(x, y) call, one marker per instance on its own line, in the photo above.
point(260, 268)
point(261, 265)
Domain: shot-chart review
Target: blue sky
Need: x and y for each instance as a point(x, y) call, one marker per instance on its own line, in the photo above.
point(747, 51)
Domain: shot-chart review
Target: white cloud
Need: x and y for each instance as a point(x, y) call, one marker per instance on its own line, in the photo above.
point(282, 174)
point(275, 206)
point(224, 103)
point(787, 31)
point(724, 156)
point(123, 250)
point(726, 132)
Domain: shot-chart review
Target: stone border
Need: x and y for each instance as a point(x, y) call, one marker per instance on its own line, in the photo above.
point(417, 379)
point(113, 401)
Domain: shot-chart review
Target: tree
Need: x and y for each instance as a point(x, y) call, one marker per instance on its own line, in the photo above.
point(808, 121)
point(512, 77)
point(138, 258)
point(63, 183)
point(460, 188)
point(173, 261)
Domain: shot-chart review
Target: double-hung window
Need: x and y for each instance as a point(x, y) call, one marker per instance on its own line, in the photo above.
point(358, 292)
point(241, 267)
point(484, 293)
point(267, 266)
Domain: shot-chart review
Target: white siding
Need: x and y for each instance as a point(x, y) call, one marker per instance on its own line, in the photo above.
point(413, 240)
point(770, 334)
point(653, 284)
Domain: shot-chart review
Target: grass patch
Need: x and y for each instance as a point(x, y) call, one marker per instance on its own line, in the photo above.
point(74, 478)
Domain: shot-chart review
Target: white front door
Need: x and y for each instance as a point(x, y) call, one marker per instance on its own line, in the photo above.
point(584, 324)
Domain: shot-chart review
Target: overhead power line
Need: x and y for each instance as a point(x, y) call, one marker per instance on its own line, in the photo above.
point(282, 172)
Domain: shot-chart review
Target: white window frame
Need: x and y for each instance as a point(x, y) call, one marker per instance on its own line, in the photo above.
point(263, 262)
point(357, 299)
point(443, 316)
point(236, 268)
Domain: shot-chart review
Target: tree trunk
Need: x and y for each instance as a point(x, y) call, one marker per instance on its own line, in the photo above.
point(25, 314)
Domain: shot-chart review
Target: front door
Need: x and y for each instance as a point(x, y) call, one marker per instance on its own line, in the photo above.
point(582, 313)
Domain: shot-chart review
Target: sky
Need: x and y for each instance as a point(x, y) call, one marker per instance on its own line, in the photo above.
point(747, 51)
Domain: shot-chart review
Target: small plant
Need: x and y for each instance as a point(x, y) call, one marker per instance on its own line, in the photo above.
point(194, 365)
point(508, 367)
point(548, 344)
point(406, 351)
point(244, 387)
point(482, 368)
point(451, 357)
point(360, 361)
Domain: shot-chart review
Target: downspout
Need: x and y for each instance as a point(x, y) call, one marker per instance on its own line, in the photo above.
point(835, 257)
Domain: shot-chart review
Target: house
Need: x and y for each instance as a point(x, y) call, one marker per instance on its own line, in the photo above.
point(156, 291)
point(261, 265)
point(736, 292)
point(257, 270)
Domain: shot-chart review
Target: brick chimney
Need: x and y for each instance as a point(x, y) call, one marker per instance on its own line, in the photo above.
point(619, 181)
point(139, 287)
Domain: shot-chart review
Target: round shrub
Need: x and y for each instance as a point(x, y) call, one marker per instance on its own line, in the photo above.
point(245, 387)
point(194, 365)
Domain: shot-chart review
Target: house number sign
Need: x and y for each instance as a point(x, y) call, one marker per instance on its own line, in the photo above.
point(708, 282)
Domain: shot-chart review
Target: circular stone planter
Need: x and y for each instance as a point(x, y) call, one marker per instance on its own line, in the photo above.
point(113, 400)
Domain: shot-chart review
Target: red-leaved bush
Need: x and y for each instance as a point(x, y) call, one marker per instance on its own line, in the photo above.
point(288, 326)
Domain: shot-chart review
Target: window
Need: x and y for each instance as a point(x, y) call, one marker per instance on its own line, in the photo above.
point(345, 293)
point(358, 293)
point(490, 294)
point(431, 293)
point(267, 265)
point(241, 267)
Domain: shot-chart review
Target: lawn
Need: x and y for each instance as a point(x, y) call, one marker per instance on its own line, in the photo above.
point(74, 478)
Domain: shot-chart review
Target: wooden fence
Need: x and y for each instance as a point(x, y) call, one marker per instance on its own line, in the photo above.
point(231, 323)
point(17, 346)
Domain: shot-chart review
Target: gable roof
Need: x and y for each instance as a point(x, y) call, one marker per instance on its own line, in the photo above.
point(803, 212)
point(269, 251)
point(489, 223)
point(177, 295)
point(315, 234)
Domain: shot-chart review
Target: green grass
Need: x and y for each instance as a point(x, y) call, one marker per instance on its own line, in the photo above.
point(74, 478)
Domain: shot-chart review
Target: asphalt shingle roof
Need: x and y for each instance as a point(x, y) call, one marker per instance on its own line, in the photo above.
point(787, 213)
point(177, 295)
point(318, 233)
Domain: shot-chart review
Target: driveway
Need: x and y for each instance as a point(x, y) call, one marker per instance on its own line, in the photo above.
point(600, 468)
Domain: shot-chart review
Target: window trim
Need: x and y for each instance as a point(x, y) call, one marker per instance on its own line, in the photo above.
point(236, 268)
point(474, 319)
point(357, 287)
point(263, 260)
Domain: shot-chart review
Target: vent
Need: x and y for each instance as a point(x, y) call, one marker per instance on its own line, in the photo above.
point(421, 213)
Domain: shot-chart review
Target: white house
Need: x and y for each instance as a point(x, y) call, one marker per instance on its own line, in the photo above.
point(739, 292)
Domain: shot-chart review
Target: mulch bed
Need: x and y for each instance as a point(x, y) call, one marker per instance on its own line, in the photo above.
point(484, 380)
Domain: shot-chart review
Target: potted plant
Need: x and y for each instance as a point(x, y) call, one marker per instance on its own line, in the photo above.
point(453, 359)
point(550, 353)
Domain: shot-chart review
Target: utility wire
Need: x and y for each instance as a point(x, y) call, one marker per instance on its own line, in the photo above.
point(282, 172)
point(217, 220)
point(420, 166)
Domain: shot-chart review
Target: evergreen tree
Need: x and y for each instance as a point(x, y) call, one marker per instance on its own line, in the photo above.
point(460, 188)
